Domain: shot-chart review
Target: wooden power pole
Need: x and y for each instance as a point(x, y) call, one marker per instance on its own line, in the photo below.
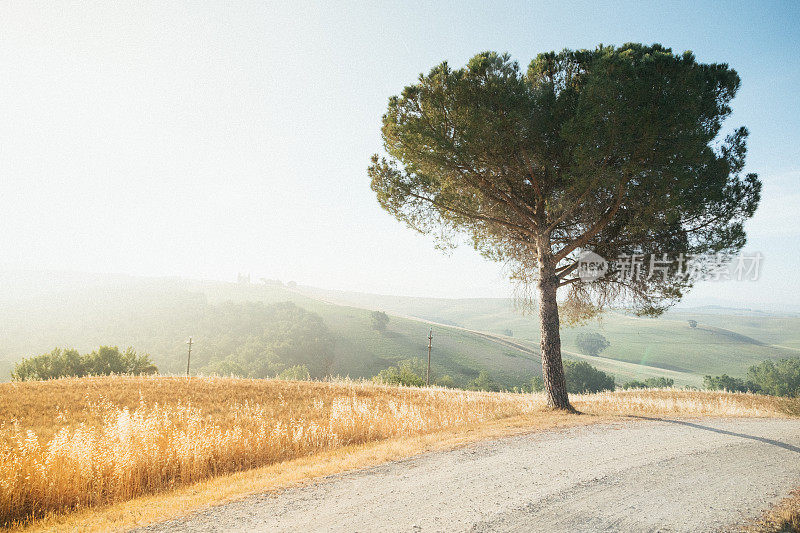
point(428, 372)
point(189, 359)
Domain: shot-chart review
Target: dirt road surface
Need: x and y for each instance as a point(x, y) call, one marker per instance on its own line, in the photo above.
point(650, 475)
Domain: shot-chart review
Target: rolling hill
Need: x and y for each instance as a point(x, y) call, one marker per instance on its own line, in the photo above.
point(41, 311)
point(724, 341)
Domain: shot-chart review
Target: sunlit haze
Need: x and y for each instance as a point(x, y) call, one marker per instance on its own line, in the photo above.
point(202, 140)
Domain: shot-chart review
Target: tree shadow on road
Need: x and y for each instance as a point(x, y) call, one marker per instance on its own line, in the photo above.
point(784, 445)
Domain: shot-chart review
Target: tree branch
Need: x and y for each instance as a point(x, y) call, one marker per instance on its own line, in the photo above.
point(474, 216)
point(594, 230)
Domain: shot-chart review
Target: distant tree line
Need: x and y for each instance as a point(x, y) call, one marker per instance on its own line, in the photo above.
point(775, 378)
point(104, 361)
point(260, 341)
point(650, 383)
point(581, 378)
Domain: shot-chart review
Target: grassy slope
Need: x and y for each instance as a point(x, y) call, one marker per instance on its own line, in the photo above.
point(83, 311)
point(723, 342)
point(363, 352)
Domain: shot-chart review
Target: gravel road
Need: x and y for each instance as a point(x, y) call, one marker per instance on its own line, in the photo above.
point(654, 475)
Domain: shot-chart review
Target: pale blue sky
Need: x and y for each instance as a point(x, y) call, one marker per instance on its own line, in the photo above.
point(203, 139)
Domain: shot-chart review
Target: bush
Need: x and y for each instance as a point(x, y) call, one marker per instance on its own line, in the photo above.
point(537, 384)
point(484, 382)
point(104, 361)
point(446, 381)
point(776, 378)
point(650, 383)
point(406, 373)
point(296, 373)
point(726, 383)
point(583, 377)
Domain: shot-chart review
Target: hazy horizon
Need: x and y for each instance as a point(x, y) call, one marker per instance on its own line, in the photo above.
point(56, 276)
point(203, 140)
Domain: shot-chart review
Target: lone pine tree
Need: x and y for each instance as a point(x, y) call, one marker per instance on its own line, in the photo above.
point(616, 150)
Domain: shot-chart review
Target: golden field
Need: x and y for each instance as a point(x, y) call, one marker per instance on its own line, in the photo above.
point(72, 444)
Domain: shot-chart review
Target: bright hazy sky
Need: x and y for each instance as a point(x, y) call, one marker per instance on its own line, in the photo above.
point(205, 139)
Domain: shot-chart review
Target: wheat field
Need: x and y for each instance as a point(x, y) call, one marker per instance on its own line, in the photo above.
point(75, 443)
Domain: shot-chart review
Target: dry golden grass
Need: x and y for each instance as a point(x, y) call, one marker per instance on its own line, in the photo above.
point(784, 517)
point(73, 444)
point(673, 402)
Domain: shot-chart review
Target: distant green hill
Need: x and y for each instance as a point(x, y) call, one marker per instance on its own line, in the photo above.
point(41, 311)
point(724, 341)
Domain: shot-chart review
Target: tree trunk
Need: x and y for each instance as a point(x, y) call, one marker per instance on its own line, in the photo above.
point(555, 385)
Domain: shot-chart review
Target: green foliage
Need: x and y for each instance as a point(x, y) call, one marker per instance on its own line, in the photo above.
point(650, 383)
point(776, 378)
point(484, 382)
point(226, 367)
point(537, 384)
point(296, 373)
point(583, 377)
point(591, 343)
point(157, 316)
point(508, 333)
point(446, 381)
point(104, 361)
point(410, 373)
point(614, 149)
point(265, 340)
point(379, 320)
point(692, 323)
point(726, 383)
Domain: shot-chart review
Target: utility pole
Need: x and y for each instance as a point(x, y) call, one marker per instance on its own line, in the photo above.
point(189, 359)
point(428, 372)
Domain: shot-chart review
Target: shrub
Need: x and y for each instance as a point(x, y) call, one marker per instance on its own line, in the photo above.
point(296, 373)
point(583, 377)
point(777, 378)
point(726, 383)
point(104, 361)
point(484, 382)
point(446, 381)
point(406, 373)
point(650, 383)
